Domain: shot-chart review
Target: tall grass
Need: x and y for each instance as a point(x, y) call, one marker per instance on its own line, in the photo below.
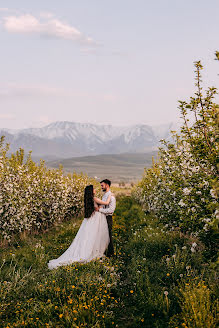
point(155, 280)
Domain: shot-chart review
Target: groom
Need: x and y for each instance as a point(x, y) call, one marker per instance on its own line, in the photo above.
point(108, 210)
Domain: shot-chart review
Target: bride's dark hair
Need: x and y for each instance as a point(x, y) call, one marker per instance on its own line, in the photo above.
point(88, 201)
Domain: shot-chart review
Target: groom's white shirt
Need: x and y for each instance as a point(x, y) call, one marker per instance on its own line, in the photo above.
point(109, 209)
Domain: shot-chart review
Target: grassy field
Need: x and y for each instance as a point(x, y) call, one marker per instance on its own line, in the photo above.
point(119, 167)
point(153, 281)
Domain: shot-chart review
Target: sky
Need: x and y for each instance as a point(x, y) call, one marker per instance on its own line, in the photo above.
point(119, 62)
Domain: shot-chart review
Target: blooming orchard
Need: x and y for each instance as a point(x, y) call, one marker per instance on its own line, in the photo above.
point(181, 187)
point(33, 197)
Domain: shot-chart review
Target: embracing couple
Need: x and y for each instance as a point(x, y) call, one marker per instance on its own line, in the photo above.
point(94, 236)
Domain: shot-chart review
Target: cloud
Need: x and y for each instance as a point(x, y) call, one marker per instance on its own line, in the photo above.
point(49, 27)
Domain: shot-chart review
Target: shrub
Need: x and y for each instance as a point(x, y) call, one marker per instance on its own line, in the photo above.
point(33, 197)
point(181, 187)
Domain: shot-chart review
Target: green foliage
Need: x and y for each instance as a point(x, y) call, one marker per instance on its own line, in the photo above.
point(198, 308)
point(181, 187)
point(71, 296)
point(148, 284)
point(157, 267)
point(32, 197)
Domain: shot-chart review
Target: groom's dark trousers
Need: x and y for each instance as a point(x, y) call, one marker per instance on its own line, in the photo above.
point(110, 250)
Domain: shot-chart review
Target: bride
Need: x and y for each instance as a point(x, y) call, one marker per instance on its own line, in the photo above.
point(92, 238)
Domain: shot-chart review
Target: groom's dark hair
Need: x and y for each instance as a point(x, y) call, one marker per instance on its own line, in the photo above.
point(106, 181)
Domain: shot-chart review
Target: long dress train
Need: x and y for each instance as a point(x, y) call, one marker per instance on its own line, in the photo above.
point(91, 241)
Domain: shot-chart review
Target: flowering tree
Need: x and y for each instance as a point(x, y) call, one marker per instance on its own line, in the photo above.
point(181, 187)
point(33, 197)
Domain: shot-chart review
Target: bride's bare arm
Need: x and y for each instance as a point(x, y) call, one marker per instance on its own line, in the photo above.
point(101, 202)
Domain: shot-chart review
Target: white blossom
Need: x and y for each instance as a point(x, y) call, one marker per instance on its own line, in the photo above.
point(166, 293)
point(186, 191)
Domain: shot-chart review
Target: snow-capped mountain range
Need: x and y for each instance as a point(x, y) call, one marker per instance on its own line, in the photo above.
point(70, 139)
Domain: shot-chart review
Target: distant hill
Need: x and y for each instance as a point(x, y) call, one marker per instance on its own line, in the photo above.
point(118, 167)
point(70, 139)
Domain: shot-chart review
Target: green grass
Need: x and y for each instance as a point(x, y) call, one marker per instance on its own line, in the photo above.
point(152, 282)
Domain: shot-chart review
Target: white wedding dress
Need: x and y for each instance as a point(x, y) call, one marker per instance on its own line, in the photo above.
point(90, 242)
